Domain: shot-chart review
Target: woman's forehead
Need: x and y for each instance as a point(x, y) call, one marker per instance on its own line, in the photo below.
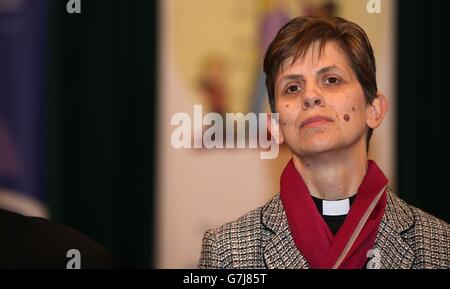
point(316, 60)
point(317, 54)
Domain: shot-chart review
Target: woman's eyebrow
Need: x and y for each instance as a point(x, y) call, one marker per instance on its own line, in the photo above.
point(298, 77)
point(327, 69)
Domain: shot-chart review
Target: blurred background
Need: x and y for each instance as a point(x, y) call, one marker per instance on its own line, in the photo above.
point(86, 102)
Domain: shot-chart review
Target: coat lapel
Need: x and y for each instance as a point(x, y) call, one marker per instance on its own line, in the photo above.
point(280, 251)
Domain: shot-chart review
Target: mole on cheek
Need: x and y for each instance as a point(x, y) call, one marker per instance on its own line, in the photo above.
point(284, 123)
point(346, 117)
point(287, 105)
point(353, 109)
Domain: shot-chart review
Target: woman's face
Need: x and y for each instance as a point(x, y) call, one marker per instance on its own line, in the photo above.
point(321, 103)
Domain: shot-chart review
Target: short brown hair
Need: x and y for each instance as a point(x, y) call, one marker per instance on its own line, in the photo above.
point(295, 38)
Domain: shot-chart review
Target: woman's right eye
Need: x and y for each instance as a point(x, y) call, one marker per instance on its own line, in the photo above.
point(293, 89)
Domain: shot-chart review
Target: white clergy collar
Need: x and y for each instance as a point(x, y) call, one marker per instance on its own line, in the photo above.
point(335, 208)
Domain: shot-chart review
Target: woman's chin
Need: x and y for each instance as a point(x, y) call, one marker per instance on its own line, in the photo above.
point(312, 148)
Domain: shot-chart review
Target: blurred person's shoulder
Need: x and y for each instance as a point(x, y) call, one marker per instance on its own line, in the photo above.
point(33, 242)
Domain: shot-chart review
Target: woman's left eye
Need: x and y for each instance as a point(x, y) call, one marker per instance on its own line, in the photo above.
point(332, 81)
point(293, 89)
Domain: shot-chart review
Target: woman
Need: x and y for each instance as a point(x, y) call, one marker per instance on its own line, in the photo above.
point(335, 208)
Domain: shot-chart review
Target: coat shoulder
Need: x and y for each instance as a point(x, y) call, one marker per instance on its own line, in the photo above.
point(429, 239)
point(229, 244)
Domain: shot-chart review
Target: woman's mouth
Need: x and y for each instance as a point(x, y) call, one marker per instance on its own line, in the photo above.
point(315, 121)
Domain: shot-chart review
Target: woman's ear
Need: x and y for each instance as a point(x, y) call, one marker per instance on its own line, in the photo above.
point(377, 110)
point(273, 125)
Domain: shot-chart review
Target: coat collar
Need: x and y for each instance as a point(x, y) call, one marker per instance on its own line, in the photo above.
point(394, 252)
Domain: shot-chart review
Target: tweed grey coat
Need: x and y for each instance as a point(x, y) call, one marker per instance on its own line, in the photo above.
point(407, 238)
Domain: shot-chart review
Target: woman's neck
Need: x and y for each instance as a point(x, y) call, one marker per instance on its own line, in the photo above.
point(332, 176)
